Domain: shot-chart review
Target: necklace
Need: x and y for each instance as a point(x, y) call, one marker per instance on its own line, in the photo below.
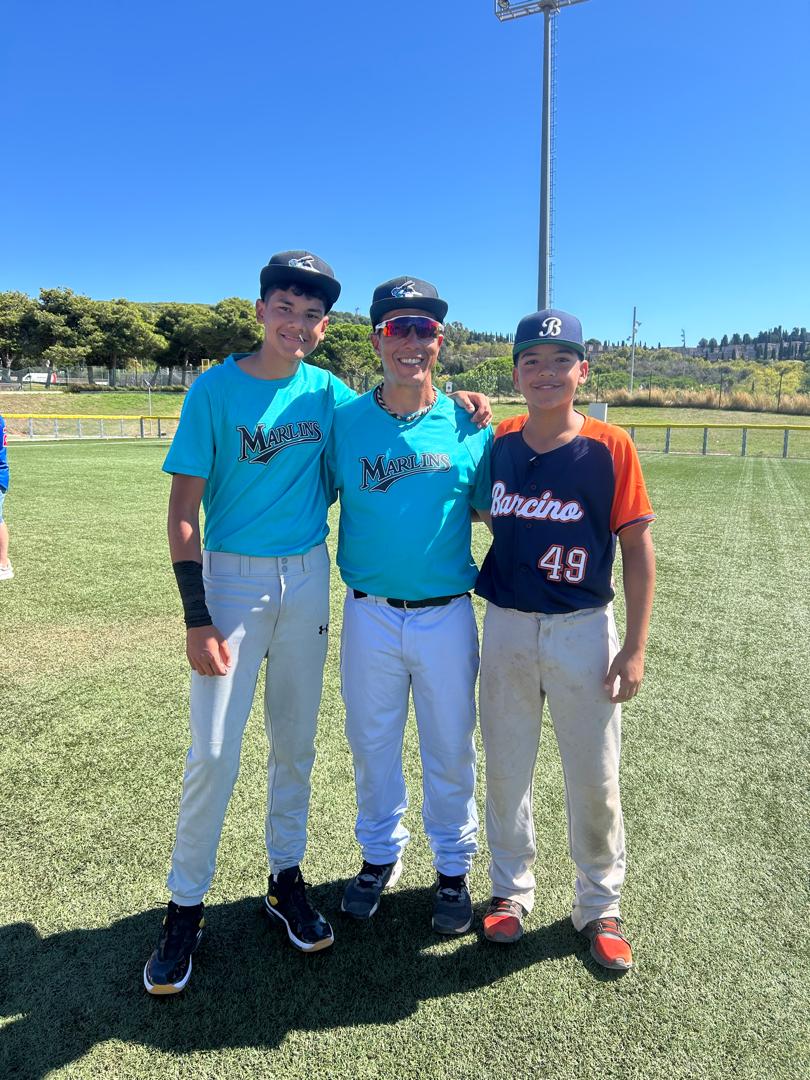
point(378, 397)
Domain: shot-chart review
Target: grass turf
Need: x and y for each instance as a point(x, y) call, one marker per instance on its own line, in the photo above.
point(94, 688)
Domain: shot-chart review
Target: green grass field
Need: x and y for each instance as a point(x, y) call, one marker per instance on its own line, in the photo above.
point(94, 699)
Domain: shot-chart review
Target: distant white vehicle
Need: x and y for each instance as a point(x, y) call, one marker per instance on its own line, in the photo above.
point(36, 377)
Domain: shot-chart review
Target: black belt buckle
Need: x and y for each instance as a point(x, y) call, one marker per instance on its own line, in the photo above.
point(395, 602)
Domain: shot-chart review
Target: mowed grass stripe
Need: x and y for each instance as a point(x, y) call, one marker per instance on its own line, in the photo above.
point(95, 697)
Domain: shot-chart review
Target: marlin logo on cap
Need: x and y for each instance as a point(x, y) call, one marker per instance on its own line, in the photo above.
point(550, 327)
point(304, 263)
point(405, 291)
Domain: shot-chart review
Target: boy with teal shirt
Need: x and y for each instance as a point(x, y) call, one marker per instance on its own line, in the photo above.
point(248, 447)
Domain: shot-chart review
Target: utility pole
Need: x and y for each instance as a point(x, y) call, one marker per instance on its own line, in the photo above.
point(636, 325)
point(506, 10)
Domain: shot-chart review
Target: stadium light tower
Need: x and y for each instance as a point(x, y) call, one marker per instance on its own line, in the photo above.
point(507, 10)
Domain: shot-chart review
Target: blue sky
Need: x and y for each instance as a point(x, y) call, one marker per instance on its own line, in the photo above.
point(163, 151)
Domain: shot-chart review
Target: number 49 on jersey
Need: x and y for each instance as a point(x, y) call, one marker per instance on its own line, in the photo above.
point(560, 563)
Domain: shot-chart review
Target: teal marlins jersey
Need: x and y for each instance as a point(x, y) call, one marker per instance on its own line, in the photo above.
point(406, 488)
point(259, 443)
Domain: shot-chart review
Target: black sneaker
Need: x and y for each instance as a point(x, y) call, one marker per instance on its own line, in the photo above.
point(168, 969)
point(286, 902)
point(362, 896)
point(452, 906)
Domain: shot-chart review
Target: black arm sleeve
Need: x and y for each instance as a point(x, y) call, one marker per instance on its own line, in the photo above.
point(192, 593)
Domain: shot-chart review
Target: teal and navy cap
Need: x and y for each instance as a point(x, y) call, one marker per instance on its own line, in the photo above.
point(406, 292)
point(300, 268)
point(549, 327)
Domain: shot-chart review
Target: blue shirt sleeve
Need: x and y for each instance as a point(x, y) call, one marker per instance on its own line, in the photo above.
point(329, 469)
point(342, 392)
point(481, 495)
point(192, 449)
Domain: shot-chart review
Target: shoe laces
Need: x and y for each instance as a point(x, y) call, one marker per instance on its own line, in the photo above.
point(181, 922)
point(609, 925)
point(452, 886)
point(291, 885)
point(370, 875)
point(500, 905)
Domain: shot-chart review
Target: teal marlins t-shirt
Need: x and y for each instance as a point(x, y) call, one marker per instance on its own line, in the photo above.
point(259, 443)
point(406, 488)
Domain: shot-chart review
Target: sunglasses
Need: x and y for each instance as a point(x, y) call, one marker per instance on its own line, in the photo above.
point(400, 326)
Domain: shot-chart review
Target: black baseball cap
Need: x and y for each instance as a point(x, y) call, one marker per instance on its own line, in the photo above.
point(302, 268)
point(406, 292)
point(548, 327)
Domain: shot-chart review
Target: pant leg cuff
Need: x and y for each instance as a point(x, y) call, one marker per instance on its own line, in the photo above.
point(580, 917)
point(187, 901)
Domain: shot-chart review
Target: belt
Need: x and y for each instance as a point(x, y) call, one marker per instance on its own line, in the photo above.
point(431, 601)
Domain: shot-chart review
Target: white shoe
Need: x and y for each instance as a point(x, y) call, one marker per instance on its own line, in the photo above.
point(6, 572)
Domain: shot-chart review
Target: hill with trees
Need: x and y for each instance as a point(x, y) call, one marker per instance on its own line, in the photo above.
point(64, 331)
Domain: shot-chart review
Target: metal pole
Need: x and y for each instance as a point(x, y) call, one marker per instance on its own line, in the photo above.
point(633, 352)
point(779, 394)
point(545, 167)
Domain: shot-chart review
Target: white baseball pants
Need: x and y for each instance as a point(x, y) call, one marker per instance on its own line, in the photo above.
point(527, 659)
point(276, 608)
point(385, 653)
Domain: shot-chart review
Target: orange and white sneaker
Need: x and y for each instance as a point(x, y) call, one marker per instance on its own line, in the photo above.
point(609, 946)
point(503, 920)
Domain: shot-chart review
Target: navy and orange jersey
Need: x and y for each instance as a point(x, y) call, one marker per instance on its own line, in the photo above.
point(556, 516)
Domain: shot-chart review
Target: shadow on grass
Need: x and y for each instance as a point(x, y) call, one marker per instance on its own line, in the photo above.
point(65, 993)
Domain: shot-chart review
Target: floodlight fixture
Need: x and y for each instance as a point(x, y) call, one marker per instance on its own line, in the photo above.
point(505, 11)
point(513, 9)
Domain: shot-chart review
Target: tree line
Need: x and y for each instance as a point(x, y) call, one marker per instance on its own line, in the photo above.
point(63, 330)
point(666, 369)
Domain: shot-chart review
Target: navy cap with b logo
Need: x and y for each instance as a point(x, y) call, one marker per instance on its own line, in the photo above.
point(406, 292)
point(549, 327)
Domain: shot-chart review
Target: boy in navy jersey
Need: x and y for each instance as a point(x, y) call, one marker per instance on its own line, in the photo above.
point(564, 487)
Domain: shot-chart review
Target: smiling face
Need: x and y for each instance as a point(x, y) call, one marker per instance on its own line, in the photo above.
point(409, 361)
point(293, 324)
point(548, 375)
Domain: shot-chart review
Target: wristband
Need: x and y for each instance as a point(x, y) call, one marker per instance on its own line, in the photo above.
point(192, 593)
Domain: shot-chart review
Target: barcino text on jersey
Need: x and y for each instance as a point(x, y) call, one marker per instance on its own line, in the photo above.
point(544, 508)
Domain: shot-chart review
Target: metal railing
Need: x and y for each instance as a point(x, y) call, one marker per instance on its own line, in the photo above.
point(717, 439)
point(46, 427)
point(744, 429)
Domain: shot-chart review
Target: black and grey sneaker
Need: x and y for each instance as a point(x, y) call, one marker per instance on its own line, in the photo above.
point(452, 906)
point(168, 969)
point(362, 896)
point(286, 902)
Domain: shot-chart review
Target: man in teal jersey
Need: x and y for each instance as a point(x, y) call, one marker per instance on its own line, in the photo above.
point(409, 465)
point(249, 449)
